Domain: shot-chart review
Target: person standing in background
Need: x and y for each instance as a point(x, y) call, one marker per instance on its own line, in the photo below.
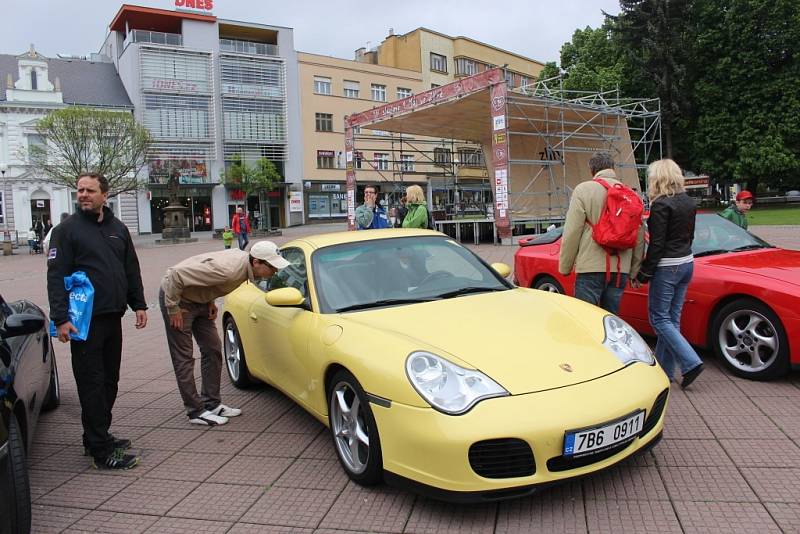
point(737, 211)
point(241, 227)
point(227, 237)
point(417, 215)
point(370, 215)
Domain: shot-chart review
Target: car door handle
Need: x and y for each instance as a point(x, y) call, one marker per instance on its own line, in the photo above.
point(253, 317)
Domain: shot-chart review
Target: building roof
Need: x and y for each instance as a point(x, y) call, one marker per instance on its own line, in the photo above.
point(86, 83)
point(155, 19)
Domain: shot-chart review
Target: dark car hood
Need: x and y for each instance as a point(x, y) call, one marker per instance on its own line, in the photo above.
point(775, 263)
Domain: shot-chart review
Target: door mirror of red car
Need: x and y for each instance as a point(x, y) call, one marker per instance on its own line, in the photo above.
point(285, 297)
point(502, 269)
point(21, 324)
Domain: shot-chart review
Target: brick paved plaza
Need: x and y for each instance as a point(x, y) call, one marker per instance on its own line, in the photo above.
point(729, 460)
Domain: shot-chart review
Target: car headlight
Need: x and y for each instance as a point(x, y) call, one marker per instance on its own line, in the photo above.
point(448, 387)
point(625, 342)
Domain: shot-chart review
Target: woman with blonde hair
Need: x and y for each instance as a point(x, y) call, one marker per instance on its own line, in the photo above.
point(417, 214)
point(668, 267)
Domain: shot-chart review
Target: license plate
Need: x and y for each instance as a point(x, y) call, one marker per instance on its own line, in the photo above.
point(596, 439)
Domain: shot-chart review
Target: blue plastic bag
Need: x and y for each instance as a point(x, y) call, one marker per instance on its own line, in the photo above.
point(81, 300)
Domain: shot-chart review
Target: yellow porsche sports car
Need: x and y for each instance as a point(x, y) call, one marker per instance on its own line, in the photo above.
point(434, 373)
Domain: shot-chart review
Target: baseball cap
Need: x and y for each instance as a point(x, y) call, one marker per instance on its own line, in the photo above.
point(268, 251)
point(744, 195)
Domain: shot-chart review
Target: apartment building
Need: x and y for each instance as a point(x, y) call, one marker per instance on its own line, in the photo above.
point(330, 89)
point(211, 91)
point(441, 59)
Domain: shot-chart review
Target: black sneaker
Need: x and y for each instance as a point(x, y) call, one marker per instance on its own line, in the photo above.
point(116, 460)
point(690, 376)
point(116, 443)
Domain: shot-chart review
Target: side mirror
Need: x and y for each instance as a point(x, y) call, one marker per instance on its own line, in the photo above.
point(285, 297)
point(502, 269)
point(22, 324)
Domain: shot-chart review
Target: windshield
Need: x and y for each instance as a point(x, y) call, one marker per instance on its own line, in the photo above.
point(398, 271)
point(716, 235)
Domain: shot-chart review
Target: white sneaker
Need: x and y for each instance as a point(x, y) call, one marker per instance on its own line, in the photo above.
point(226, 411)
point(208, 418)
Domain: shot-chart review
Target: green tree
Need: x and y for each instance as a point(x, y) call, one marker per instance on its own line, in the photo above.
point(747, 127)
point(593, 61)
point(251, 178)
point(655, 36)
point(82, 140)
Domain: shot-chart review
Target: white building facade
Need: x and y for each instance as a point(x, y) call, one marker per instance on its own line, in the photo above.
point(32, 86)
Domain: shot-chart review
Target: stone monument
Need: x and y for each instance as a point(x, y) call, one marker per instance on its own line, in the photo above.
point(175, 228)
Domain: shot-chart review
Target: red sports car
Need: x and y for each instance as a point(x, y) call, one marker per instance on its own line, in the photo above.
point(744, 298)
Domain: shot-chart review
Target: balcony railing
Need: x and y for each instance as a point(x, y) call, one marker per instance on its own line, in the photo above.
point(248, 47)
point(145, 36)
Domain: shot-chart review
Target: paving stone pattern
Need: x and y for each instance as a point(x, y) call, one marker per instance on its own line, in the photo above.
point(729, 460)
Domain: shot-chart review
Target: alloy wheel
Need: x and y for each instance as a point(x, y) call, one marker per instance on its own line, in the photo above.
point(749, 341)
point(350, 432)
point(233, 356)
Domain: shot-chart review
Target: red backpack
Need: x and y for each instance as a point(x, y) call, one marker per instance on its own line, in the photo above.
point(618, 226)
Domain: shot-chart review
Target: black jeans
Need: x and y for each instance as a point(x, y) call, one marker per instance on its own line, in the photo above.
point(95, 364)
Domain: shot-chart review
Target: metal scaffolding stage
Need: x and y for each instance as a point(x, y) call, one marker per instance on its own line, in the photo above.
point(537, 139)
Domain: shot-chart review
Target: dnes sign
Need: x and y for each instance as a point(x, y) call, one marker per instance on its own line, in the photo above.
point(203, 5)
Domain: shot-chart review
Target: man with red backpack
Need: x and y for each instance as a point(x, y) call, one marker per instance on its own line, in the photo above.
point(603, 239)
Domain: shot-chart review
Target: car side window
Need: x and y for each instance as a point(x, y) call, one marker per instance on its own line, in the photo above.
point(295, 275)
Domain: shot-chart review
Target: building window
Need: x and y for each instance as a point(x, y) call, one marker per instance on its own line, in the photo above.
point(524, 80)
point(351, 89)
point(438, 63)
point(325, 159)
point(403, 92)
point(327, 205)
point(442, 156)
point(435, 85)
point(407, 162)
point(324, 122)
point(36, 145)
point(322, 85)
point(466, 67)
point(34, 81)
point(510, 79)
point(358, 157)
point(378, 92)
point(381, 161)
point(471, 157)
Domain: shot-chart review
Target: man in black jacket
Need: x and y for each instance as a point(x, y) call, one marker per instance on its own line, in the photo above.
point(95, 242)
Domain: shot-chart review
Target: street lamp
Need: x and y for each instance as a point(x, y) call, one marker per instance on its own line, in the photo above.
point(3, 169)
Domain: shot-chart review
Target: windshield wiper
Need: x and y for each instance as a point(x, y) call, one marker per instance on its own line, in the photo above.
point(712, 252)
point(384, 302)
point(467, 290)
point(751, 247)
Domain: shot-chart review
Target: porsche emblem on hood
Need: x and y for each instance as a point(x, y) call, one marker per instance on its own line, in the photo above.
point(565, 366)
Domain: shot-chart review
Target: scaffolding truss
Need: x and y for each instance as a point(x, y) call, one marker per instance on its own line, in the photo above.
point(537, 138)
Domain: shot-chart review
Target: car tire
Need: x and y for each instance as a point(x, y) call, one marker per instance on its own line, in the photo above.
point(355, 435)
point(549, 284)
point(750, 340)
point(19, 486)
point(235, 361)
point(53, 397)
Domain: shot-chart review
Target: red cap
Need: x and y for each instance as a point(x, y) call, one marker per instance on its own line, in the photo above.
point(744, 195)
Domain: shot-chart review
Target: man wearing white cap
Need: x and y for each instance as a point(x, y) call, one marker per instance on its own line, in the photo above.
point(187, 296)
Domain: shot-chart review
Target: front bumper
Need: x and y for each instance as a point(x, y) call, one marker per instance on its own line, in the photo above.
point(428, 449)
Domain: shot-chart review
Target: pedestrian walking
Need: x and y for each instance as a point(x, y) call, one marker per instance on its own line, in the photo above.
point(187, 295)
point(668, 267)
point(241, 227)
point(99, 244)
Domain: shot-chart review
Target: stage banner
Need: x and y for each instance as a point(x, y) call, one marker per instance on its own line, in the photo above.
point(351, 175)
point(502, 216)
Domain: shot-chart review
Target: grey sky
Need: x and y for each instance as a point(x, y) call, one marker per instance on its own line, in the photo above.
point(532, 28)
